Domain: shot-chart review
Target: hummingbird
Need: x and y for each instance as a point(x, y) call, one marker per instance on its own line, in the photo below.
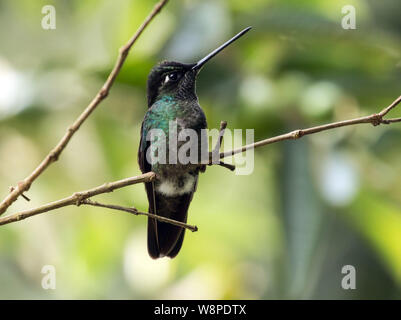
point(171, 98)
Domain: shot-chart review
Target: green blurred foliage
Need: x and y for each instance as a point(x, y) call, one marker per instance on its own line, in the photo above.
point(309, 208)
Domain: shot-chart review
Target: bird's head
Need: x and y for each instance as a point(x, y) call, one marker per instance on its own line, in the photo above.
point(178, 79)
point(171, 78)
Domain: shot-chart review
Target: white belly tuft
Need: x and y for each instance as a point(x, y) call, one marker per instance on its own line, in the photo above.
point(171, 188)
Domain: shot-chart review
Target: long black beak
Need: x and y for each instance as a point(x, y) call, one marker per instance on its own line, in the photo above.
point(202, 61)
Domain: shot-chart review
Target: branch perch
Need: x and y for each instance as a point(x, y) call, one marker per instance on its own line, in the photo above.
point(136, 212)
point(78, 197)
point(374, 119)
point(100, 96)
point(82, 198)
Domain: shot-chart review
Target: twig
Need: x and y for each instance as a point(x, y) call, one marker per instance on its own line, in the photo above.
point(215, 152)
point(22, 195)
point(374, 119)
point(100, 96)
point(385, 111)
point(136, 212)
point(223, 126)
point(78, 197)
point(393, 120)
point(82, 198)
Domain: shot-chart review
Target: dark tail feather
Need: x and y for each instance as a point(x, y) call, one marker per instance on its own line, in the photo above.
point(177, 246)
point(153, 246)
point(165, 239)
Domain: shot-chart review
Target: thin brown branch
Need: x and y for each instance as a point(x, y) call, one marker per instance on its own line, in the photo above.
point(393, 120)
point(78, 197)
point(385, 111)
point(22, 195)
point(374, 119)
point(223, 126)
point(228, 166)
point(82, 198)
point(136, 212)
point(214, 155)
point(100, 96)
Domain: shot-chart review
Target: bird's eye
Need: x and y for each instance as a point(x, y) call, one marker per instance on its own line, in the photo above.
point(173, 76)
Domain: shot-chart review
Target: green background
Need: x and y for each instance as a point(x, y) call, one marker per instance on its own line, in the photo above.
point(309, 208)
